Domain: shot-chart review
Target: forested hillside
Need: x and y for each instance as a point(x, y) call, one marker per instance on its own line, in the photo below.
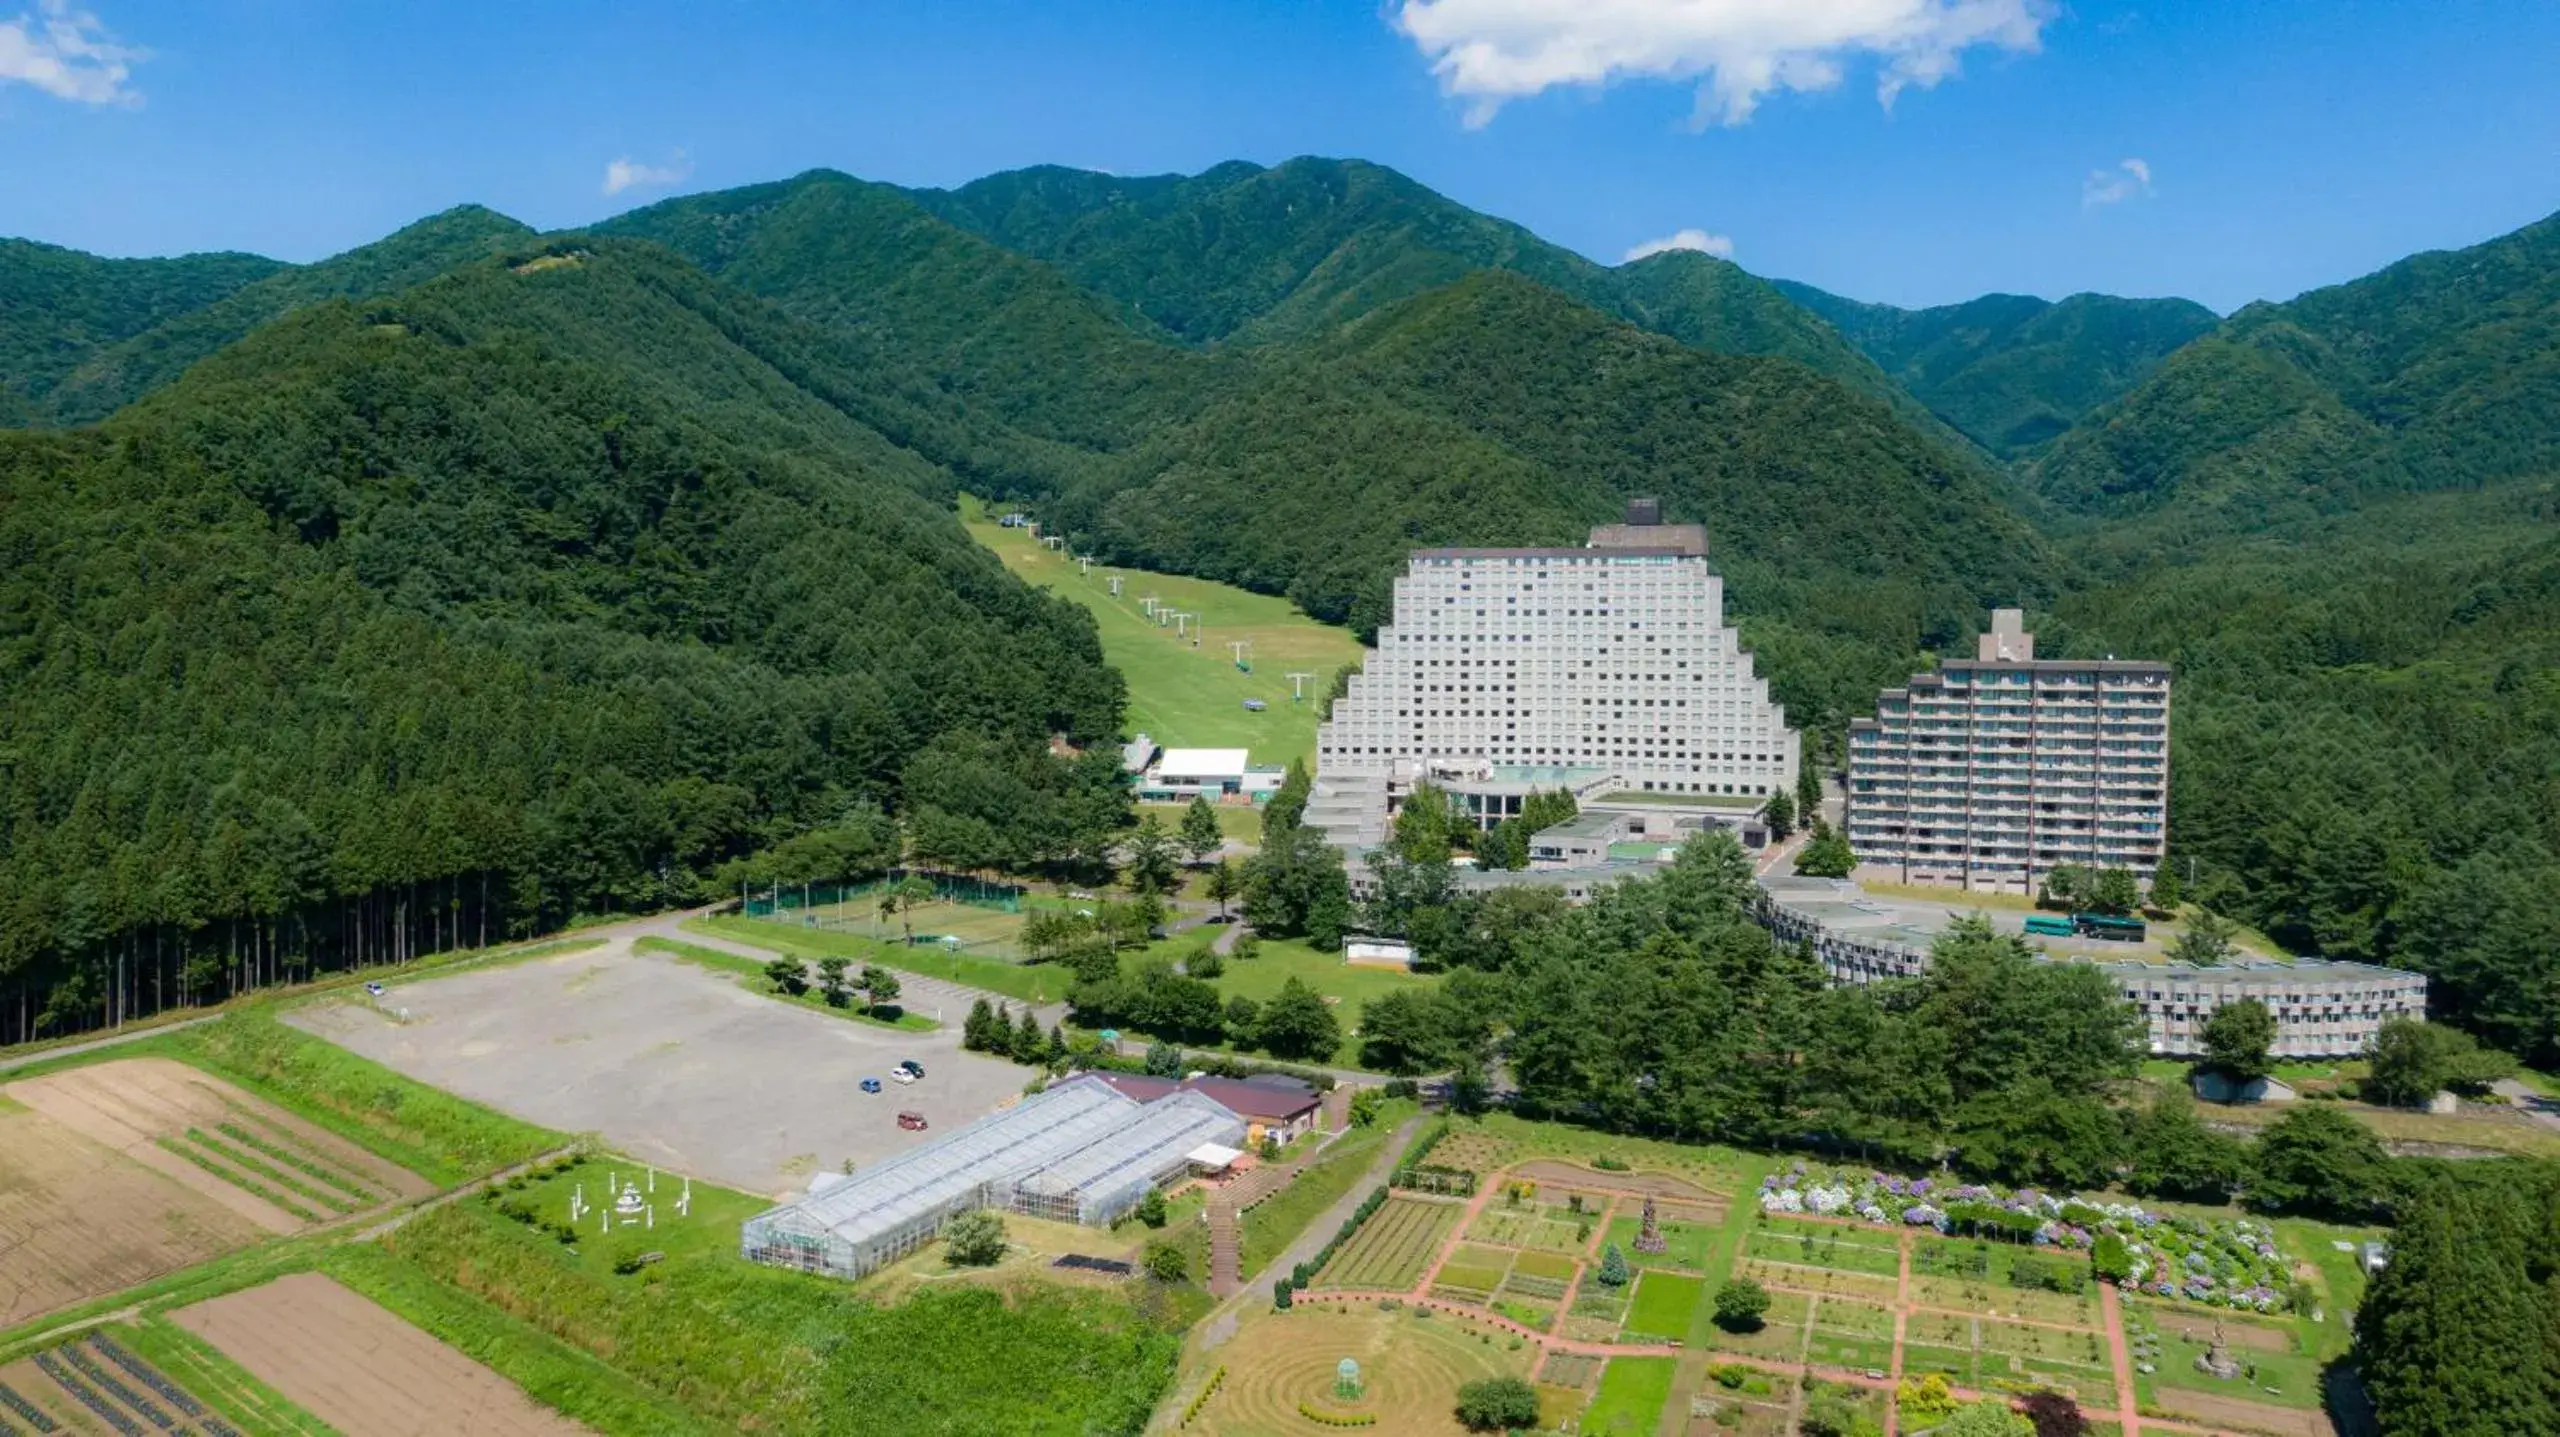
point(1496, 411)
point(2009, 370)
point(2440, 372)
point(2366, 755)
point(649, 555)
point(59, 307)
point(118, 374)
point(531, 591)
point(1254, 255)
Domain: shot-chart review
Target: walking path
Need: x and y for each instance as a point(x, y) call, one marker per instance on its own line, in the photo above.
point(1220, 1324)
point(2123, 1359)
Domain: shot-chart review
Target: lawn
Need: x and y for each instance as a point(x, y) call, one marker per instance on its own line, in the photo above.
point(1690, 1245)
point(1027, 982)
point(1239, 821)
point(1273, 1223)
point(1182, 694)
point(751, 972)
point(1824, 1245)
point(739, 1346)
point(1632, 1392)
point(1394, 1247)
point(1665, 1302)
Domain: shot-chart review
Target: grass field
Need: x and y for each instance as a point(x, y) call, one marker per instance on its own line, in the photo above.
point(1272, 1224)
point(1182, 695)
point(1665, 1302)
point(1632, 1392)
point(1394, 1247)
point(751, 973)
point(1688, 1245)
point(1028, 982)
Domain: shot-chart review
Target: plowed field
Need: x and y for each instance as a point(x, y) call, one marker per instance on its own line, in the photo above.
point(359, 1368)
point(114, 1174)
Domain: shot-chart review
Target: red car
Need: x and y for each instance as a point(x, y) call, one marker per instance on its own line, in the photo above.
point(912, 1122)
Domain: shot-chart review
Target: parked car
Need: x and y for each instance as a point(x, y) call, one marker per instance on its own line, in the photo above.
point(912, 1122)
point(871, 1085)
point(911, 1067)
point(375, 989)
point(901, 1075)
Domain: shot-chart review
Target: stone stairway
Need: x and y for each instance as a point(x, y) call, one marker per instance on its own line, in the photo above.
point(1226, 1248)
point(1226, 1223)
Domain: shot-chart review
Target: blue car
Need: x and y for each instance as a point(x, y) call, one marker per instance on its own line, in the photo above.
point(871, 1085)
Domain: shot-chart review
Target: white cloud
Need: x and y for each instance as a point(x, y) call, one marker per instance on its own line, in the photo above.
point(1721, 246)
point(2129, 179)
point(626, 173)
point(1494, 51)
point(67, 54)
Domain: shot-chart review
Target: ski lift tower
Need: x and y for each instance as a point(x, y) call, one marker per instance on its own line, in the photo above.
point(1240, 648)
point(1298, 687)
point(1115, 581)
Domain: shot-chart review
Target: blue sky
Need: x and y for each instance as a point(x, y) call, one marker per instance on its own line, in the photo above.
point(2223, 151)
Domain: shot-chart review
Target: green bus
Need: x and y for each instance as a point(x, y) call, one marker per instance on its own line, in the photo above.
point(2049, 925)
point(2109, 927)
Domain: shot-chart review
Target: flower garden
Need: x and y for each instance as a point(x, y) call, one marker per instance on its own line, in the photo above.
point(2232, 1263)
point(1536, 1241)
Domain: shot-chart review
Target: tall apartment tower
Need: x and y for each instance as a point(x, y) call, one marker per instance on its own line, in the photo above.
point(1993, 773)
point(1611, 657)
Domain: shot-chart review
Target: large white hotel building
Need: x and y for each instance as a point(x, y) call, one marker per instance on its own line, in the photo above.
point(1992, 773)
point(1613, 658)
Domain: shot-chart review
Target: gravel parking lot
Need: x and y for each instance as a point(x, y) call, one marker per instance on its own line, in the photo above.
point(671, 1064)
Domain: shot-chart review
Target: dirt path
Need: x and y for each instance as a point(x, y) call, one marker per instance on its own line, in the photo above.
point(1220, 1324)
point(2113, 1314)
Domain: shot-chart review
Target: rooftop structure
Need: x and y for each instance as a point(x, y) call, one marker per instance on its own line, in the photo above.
point(2322, 1008)
point(1992, 772)
point(1080, 1150)
point(1184, 773)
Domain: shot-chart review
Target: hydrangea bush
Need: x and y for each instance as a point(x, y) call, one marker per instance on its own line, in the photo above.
point(2232, 1263)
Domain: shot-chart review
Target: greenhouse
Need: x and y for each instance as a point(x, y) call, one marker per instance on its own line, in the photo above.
point(1100, 1183)
point(1083, 1147)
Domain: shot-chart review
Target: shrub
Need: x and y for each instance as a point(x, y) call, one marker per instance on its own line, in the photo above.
point(2046, 1274)
point(1493, 1404)
point(1151, 1208)
point(1613, 1267)
point(973, 1239)
point(1740, 1304)
point(2110, 1259)
point(1323, 1418)
point(1166, 1263)
point(1280, 1294)
point(1208, 1390)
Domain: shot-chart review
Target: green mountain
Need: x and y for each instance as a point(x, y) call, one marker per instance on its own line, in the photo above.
point(1488, 409)
point(117, 374)
point(534, 590)
point(2442, 371)
point(1049, 372)
point(2365, 761)
point(59, 308)
point(2008, 370)
point(1497, 411)
point(1248, 255)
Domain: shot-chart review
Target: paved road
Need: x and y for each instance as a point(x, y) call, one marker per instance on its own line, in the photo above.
point(2528, 1102)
